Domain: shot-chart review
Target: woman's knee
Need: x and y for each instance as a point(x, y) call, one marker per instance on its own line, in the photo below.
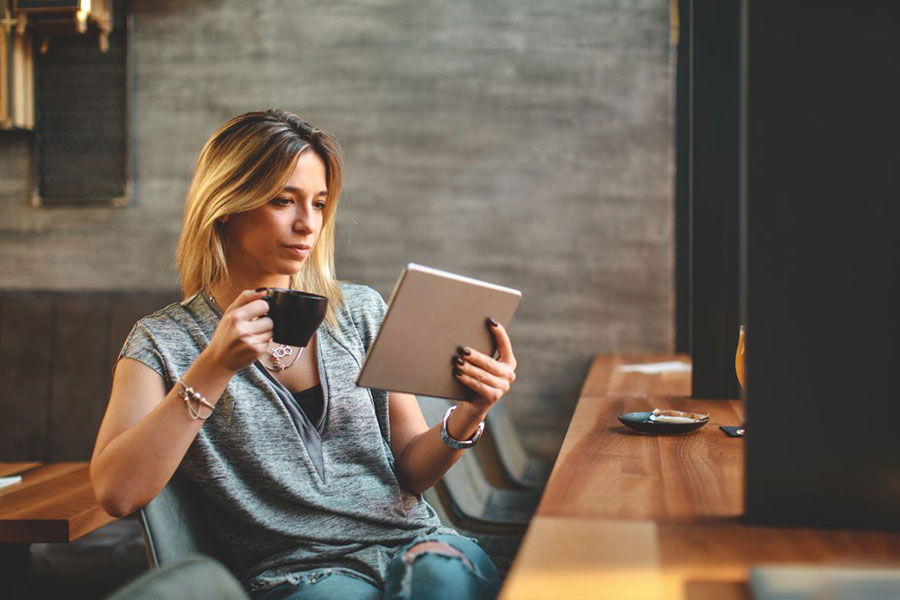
point(436, 569)
point(440, 548)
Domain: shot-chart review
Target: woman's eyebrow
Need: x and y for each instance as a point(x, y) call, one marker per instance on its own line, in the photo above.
point(297, 190)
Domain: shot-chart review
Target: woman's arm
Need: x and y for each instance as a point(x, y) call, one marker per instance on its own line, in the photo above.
point(421, 456)
point(425, 457)
point(146, 432)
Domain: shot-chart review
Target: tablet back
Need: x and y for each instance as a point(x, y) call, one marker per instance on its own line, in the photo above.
point(430, 314)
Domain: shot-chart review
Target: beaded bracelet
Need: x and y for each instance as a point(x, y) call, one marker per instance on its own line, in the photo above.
point(188, 394)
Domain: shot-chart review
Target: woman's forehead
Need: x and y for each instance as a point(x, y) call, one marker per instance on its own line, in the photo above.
point(308, 174)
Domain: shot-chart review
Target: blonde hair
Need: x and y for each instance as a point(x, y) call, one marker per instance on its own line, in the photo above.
point(242, 166)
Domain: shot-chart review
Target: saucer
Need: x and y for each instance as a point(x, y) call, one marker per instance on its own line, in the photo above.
point(640, 421)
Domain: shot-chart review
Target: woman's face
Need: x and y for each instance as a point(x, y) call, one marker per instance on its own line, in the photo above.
point(277, 237)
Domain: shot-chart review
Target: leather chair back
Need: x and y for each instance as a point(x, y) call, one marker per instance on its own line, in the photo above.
point(194, 577)
point(174, 526)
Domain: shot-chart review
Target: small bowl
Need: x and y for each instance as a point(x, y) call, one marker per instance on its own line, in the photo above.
point(640, 421)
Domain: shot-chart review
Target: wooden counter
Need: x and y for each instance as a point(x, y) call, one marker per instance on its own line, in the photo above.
point(627, 515)
point(53, 503)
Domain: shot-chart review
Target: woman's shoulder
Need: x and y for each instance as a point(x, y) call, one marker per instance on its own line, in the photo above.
point(166, 321)
point(161, 315)
point(360, 297)
point(363, 308)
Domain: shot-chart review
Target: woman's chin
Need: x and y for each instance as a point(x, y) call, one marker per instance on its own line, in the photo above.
point(293, 267)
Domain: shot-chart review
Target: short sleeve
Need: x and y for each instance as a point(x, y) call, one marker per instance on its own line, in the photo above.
point(139, 345)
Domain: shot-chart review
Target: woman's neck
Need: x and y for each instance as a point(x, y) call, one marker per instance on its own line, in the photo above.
point(227, 290)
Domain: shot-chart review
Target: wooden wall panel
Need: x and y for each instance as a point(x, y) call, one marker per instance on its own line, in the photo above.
point(26, 332)
point(57, 351)
point(125, 311)
point(78, 387)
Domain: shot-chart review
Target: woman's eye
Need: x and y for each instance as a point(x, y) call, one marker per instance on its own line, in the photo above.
point(282, 201)
point(320, 205)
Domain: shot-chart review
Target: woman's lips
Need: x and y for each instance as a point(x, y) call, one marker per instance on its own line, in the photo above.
point(300, 251)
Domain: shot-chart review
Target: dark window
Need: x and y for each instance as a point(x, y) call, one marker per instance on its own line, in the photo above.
point(81, 143)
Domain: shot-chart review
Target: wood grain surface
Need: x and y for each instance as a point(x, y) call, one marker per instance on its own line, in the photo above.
point(78, 391)
point(634, 516)
point(605, 470)
point(15, 468)
point(53, 503)
point(576, 558)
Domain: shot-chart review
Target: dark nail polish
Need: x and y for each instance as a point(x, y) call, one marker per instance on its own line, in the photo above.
point(458, 360)
point(492, 323)
point(457, 372)
point(464, 351)
point(261, 289)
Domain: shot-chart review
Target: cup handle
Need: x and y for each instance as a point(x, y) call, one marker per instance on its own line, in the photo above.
point(267, 297)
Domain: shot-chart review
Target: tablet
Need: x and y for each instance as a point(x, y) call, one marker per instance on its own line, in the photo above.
point(430, 314)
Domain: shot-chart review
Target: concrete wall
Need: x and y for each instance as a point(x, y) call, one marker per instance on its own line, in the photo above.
point(523, 142)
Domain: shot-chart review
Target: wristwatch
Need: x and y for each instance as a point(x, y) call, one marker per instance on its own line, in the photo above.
point(453, 442)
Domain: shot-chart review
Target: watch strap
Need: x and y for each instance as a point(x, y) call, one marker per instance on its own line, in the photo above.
point(453, 442)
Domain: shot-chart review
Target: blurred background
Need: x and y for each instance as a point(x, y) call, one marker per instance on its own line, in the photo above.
point(527, 143)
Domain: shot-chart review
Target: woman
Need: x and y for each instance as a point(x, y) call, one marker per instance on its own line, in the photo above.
point(312, 483)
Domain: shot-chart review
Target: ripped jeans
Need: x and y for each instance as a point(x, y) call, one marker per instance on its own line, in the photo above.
point(427, 574)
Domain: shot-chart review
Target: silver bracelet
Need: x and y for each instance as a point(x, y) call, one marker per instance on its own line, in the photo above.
point(455, 443)
point(189, 394)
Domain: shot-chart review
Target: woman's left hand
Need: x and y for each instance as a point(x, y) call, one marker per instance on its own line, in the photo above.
point(490, 378)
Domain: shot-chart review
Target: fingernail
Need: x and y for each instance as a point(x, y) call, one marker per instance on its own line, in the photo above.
point(457, 372)
point(464, 351)
point(458, 360)
point(492, 322)
point(261, 289)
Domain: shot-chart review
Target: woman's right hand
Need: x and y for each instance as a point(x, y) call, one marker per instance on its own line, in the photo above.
point(243, 333)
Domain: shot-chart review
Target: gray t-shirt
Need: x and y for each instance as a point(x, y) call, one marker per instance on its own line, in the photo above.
point(284, 496)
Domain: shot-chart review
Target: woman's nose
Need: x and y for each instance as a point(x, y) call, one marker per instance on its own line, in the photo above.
point(303, 219)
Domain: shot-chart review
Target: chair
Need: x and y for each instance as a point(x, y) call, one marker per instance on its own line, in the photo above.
point(472, 500)
point(194, 577)
point(519, 468)
point(90, 567)
point(174, 528)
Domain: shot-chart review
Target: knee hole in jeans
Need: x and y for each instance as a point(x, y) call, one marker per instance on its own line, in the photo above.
point(423, 548)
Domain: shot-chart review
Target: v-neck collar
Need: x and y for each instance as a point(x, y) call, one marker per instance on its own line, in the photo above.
point(309, 434)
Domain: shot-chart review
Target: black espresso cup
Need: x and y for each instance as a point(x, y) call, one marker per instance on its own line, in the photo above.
point(295, 315)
